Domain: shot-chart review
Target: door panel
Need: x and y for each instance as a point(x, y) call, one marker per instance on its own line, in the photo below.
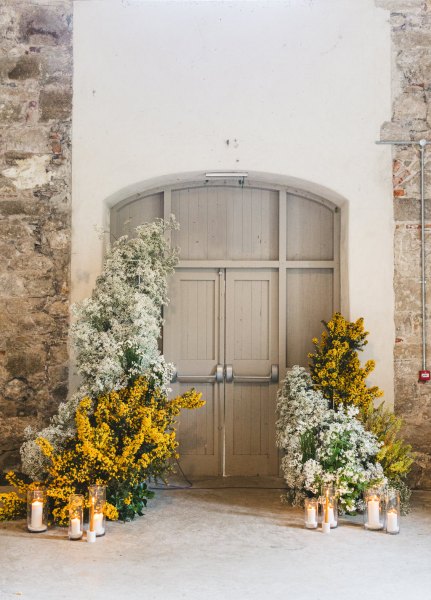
point(192, 342)
point(309, 299)
point(226, 223)
point(251, 349)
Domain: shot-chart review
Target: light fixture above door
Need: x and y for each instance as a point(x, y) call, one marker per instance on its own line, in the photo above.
point(226, 174)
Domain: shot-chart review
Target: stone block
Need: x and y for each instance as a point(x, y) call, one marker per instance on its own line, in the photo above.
point(29, 172)
point(32, 139)
point(410, 106)
point(23, 364)
point(10, 111)
point(420, 475)
point(56, 65)
point(55, 104)
point(26, 67)
point(11, 438)
point(46, 25)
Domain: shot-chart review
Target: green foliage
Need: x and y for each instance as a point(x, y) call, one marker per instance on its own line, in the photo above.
point(308, 445)
point(131, 501)
point(395, 456)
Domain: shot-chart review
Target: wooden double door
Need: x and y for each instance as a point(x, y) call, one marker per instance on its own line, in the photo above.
point(258, 271)
point(221, 332)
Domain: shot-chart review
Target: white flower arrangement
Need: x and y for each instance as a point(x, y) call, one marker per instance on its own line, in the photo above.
point(116, 331)
point(323, 446)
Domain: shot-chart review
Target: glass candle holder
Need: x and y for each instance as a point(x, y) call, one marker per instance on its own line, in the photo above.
point(37, 520)
point(374, 513)
point(329, 497)
point(311, 513)
point(97, 494)
point(76, 516)
point(392, 516)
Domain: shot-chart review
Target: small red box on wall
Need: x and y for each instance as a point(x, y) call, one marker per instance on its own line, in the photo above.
point(424, 376)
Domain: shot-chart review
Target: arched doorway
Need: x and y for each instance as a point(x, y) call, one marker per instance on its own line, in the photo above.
point(259, 269)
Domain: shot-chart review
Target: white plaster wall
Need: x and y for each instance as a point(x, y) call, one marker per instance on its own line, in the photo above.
point(299, 87)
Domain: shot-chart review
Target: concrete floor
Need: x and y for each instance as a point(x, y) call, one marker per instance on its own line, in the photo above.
point(221, 543)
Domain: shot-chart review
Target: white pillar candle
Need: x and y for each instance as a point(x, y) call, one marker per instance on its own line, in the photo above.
point(373, 513)
point(332, 518)
point(98, 523)
point(311, 516)
point(392, 521)
point(326, 527)
point(75, 527)
point(37, 515)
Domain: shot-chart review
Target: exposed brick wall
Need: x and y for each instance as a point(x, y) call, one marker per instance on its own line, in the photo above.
point(411, 120)
point(35, 185)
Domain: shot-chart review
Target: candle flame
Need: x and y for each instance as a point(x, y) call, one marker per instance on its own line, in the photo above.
point(327, 508)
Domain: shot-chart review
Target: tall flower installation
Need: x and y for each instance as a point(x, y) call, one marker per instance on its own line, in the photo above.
point(330, 430)
point(118, 429)
point(336, 371)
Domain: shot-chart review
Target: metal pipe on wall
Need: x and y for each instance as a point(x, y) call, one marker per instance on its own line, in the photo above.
point(424, 374)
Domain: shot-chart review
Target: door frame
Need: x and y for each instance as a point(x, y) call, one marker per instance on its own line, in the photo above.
point(280, 265)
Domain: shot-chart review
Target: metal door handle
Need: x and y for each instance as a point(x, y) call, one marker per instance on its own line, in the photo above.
point(271, 378)
point(216, 378)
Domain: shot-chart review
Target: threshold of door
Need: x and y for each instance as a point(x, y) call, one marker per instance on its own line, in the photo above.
point(235, 481)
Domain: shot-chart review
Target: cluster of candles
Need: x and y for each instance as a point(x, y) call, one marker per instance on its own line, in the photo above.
point(329, 512)
point(382, 510)
point(37, 514)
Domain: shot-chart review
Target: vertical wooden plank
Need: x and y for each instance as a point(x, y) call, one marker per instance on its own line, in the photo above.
point(256, 320)
point(201, 320)
point(256, 224)
point(265, 320)
point(267, 402)
point(167, 211)
point(237, 242)
point(247, 245)
point(242, 418)
point(255, 420)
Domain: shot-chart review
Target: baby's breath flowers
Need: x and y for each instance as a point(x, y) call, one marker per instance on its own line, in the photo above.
point(323, 446)
point(115, 332)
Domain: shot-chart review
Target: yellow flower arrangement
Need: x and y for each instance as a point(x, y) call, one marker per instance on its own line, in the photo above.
point(123, 438)
point(335, 366)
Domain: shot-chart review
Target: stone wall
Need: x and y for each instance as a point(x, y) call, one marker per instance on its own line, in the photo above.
point(35, 185)
point(411, 120)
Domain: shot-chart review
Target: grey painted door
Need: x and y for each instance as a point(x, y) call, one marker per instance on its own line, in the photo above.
point(219, 320)
point(251, 350)
point(192, 340)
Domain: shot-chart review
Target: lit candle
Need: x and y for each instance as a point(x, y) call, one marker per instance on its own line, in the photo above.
point(75, 527)
point(98, 523)
point(37, 515)
point(311, 515)
point(374, 513)
point(92, 515)
point(326, 525)
point(332, 519)
point(392, 521)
